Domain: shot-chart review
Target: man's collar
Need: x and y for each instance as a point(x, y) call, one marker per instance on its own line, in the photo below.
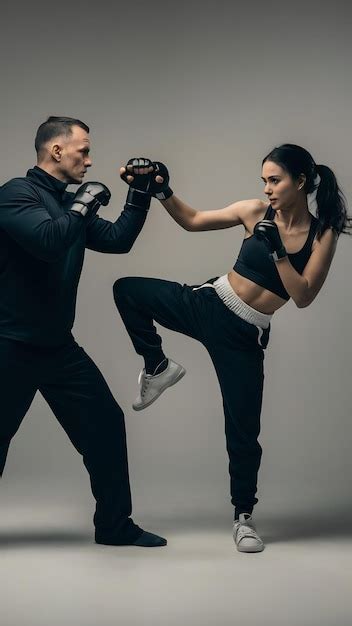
point(46, 180)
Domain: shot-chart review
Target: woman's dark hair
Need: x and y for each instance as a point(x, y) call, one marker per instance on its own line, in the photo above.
point(54, 127)
point(331, 202)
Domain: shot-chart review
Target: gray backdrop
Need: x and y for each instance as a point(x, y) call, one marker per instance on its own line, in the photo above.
point(209, 90)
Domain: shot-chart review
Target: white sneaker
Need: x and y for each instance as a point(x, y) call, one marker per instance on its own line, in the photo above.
point(152, 386)
point(245, 535)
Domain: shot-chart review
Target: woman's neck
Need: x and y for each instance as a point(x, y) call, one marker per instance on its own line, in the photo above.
point(296, 216)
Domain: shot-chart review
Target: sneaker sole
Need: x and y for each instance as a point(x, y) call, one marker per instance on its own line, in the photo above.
point(144, 406)
point(254, 549)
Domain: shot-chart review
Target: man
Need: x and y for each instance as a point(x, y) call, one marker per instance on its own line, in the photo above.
point(44, 231)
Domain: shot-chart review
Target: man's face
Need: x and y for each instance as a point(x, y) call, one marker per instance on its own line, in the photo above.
point(74, 156)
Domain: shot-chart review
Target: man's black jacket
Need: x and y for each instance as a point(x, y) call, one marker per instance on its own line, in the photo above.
point(42, 246)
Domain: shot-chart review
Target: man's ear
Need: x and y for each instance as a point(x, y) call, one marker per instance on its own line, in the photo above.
point(56, 152)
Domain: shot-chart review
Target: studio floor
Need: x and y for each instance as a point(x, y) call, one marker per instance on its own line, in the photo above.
point(52, 574)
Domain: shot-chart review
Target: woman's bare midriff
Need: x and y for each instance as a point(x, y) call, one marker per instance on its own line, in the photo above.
point(256, 296)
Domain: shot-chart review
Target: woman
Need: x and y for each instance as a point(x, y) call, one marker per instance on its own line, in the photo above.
point(286, 253)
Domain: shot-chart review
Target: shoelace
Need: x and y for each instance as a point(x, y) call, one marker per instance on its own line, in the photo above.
point(246, 531)
point(145, 382)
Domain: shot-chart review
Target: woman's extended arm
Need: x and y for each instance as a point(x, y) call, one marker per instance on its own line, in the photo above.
point(187, 217)
point(195, 220)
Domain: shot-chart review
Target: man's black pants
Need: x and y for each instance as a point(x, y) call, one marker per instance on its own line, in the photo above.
point(235, 347)
point(81, 400)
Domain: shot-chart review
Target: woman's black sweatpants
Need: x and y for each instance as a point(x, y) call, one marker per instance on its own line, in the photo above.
point(235, 347)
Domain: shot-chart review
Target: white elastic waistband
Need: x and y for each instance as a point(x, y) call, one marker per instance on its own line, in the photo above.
point(229, 297)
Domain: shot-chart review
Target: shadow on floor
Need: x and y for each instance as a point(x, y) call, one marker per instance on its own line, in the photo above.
point(306, 526)
point(11, 539)
point(274, 529)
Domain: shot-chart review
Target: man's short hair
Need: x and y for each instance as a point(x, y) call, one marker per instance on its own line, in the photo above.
point(54, 127)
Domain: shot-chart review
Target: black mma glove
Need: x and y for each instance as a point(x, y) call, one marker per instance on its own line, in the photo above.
point(89, 197)
point(161, 191)
point(138, 193)
point(268, 231)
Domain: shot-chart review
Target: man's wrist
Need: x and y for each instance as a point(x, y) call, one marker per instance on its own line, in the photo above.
point(79, 209)
point(138, 199)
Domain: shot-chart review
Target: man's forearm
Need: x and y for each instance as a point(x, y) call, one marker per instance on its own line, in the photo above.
point(31, 226)
point(116, 237)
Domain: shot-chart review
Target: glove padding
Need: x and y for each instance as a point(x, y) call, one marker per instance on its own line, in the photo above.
point(161, 191)
point(267, 231)
point(140, 181)
point(146, 182)
point(89, 197)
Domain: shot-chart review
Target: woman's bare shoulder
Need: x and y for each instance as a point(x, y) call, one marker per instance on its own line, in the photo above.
point(253, 211)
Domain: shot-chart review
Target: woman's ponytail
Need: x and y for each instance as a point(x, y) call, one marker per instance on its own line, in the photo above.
point(331, 203)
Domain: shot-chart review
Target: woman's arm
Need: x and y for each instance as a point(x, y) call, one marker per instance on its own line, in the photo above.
point(187, 217)
point(304, 288)
point(194, 220)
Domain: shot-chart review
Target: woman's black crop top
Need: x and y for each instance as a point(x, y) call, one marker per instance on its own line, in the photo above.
point(254, 261)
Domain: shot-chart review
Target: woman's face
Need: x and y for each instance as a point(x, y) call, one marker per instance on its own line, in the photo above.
point(282, 190)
